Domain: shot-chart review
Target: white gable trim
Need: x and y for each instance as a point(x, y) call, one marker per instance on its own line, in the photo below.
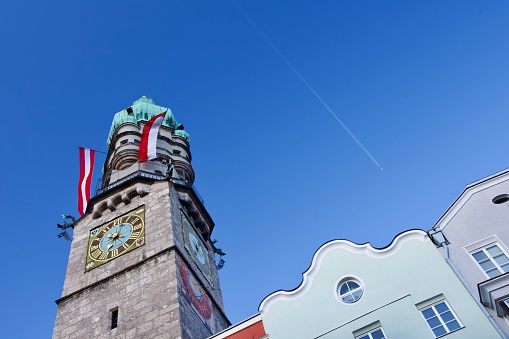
point(470, 190)
point(366, 249)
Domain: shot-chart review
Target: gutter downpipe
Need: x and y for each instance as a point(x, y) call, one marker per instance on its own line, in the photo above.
point(469, 289)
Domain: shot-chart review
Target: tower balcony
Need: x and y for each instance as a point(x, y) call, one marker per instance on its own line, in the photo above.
point(144, 174)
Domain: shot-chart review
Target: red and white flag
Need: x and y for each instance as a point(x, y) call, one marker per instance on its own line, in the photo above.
point(148, 140)
point(86, 168)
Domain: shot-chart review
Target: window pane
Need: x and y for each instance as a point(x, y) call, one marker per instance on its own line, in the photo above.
point(442, 307)
point(487, 265)
point(493, 273)
point(505, 267)
point(348, 299)
point(357, 295)
point(447, 316)
point(378, 334)
point(479, 256)
point(439, 331)
point(352, 285)
point(434, 322)
point(493, 250)
point(344, 289)
point(453, 325)
point(428, 313)
point(501, 259)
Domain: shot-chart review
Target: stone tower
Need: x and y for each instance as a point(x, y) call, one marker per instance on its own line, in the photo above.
point(141, 263)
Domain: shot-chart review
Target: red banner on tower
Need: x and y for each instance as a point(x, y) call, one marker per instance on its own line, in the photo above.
point(86, 168)
point(148, 140)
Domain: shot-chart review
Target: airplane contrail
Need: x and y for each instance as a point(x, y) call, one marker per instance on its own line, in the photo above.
point(327, 107)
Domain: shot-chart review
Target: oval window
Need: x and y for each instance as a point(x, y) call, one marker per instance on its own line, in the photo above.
point(500, 199)
point(350, 291)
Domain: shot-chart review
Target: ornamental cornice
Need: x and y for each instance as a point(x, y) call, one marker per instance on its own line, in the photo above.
point(362, 249)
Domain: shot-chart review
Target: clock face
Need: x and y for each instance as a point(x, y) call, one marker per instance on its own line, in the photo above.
point(196, 248)
point(116, 237)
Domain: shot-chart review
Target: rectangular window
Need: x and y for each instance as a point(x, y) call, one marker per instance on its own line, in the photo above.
point(123, 142)
point(440, 318)
point(377, 333)
point(492, 260)
point(114, 318)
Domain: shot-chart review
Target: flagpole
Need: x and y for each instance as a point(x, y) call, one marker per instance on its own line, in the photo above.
point(94, 150)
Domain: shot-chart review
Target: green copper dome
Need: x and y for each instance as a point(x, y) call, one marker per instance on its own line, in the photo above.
point(142, 110)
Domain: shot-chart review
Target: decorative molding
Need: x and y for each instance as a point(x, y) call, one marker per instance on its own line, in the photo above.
point(194, 211)
point(365, 249)
point(116, 199)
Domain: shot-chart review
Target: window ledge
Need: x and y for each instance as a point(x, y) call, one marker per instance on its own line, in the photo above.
point(459, 329)
point(493, 290)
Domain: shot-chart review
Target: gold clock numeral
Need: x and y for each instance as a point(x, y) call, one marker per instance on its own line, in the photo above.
point(115, 237)
point(96, 253)
point(135, 235)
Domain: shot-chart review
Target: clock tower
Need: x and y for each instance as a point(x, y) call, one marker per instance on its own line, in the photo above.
point(141, 263)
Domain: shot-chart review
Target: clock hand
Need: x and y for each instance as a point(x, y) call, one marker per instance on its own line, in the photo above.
point(109, 246)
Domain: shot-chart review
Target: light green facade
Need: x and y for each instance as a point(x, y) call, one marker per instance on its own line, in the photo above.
point(398, 281)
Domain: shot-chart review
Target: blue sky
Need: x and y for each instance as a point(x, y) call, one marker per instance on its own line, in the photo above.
point(422, 84)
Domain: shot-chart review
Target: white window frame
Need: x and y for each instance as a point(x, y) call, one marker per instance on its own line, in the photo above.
point(369, 333)
point(482, 245)
point(347, 278)
point(439, 317)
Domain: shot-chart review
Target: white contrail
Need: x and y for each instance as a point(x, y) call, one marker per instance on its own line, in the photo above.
point(308, 85)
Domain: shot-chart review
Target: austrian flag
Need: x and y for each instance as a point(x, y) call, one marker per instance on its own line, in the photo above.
point(86, 168)
point(149, 138)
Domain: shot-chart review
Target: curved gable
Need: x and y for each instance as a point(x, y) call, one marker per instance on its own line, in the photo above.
point(341, 244)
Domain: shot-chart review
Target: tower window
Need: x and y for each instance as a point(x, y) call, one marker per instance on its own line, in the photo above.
point(136, 142)
point(123, 142)
point(114, 318)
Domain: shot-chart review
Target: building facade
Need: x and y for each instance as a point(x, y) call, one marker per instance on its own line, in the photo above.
point(473, 235)
point(141, 263)
point(405, 290)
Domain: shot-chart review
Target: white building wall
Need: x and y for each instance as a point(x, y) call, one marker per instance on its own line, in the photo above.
point(472, 222)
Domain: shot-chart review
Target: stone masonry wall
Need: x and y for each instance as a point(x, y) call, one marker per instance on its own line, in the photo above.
point(158, 236)
point(142, 283)
point(146, 298)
